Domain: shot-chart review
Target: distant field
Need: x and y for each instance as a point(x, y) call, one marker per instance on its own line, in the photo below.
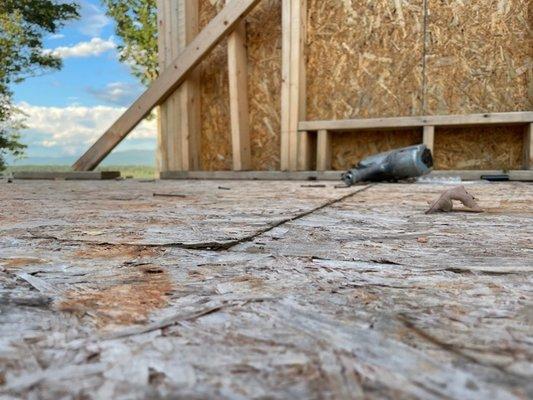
point(134, 171)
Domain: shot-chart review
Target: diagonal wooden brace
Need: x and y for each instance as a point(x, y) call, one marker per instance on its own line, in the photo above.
point(167, 82)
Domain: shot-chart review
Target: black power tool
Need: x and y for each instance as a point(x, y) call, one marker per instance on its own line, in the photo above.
point(394, 165)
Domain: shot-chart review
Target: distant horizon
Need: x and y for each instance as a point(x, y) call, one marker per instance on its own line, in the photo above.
point(125, 157)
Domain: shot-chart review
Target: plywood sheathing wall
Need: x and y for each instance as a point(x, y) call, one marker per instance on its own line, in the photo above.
point(479, 60)
point(263, 27)
point(215, 137)
point(365, 58)
point(484, 147)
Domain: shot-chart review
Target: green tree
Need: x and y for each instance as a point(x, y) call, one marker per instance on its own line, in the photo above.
point(23, 23)
point(137, 26)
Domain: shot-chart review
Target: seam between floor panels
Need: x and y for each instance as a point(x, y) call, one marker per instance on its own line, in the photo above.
point(213, 246)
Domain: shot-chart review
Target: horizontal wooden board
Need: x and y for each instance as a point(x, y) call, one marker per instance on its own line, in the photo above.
point(68, 176)
point(521, 117)
point(514, 175)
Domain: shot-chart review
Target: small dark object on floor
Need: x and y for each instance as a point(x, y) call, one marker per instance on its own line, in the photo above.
point(394, 165)
point(169, 195)
point(9, 180)
point(224, 188)
point(313, 186)
point(444, 201)
point(495, 178)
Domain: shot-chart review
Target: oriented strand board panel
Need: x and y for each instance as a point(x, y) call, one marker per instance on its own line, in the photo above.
point(349, 148)
point(478, 56)
point(484, 147)
point(214, 97)
point(263, 27)
point(364, 58)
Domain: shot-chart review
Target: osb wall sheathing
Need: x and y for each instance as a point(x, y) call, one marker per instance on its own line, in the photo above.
point(364, 60)
point(484, 147)
point(478, 56)
point(479, 60)
point(263, 27)
point(215, 138)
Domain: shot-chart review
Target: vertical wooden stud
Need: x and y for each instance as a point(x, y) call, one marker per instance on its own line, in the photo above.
point(293, 95)
point(162, 143)
point(323, 151)
point(528, 146)
point(301, 143)
point(179, 115)
point(188, 116)
point(429, 137)
point(238, 95)
point(285, 83)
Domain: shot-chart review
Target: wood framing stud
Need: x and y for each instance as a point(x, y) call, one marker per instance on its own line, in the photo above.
point(323, 154)
point(162, 140)
point(429, 137)
point(528, 146)
point(295, 149)
point(285, 84)
point(188, 116)
point(167, 82)
point(238, 95)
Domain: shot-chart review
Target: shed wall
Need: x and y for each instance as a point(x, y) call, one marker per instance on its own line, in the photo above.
point(380, 58)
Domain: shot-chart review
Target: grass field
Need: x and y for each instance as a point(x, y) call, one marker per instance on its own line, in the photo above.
point(126, 171)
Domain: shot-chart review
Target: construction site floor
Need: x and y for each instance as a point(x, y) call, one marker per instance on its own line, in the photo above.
point(284, 290)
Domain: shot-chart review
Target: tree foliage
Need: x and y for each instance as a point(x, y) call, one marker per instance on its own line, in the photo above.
point(23, 23)
point(137, 26)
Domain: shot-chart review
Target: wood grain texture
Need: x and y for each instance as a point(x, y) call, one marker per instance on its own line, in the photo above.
point(264, 83)
point(508, 118)
point(364, 61)
point(189, 123)
point(323, 151)
point(238, 98)
point(263, 38)
point(323, 293)
point(214, 97)
point(479, 56)
point(364, 58)
point(489, 147)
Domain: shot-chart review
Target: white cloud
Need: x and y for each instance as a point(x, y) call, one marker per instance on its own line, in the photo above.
point(73, 129)
point(92, 19)
point(118, 93)
point(92, 48)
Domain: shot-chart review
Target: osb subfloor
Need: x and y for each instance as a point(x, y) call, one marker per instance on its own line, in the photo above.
point(263, 290)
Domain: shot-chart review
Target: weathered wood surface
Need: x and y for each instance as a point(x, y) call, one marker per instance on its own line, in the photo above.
point(68, 176)
point(316, 293)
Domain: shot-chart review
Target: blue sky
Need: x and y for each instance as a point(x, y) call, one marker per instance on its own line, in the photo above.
point(69, 109)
